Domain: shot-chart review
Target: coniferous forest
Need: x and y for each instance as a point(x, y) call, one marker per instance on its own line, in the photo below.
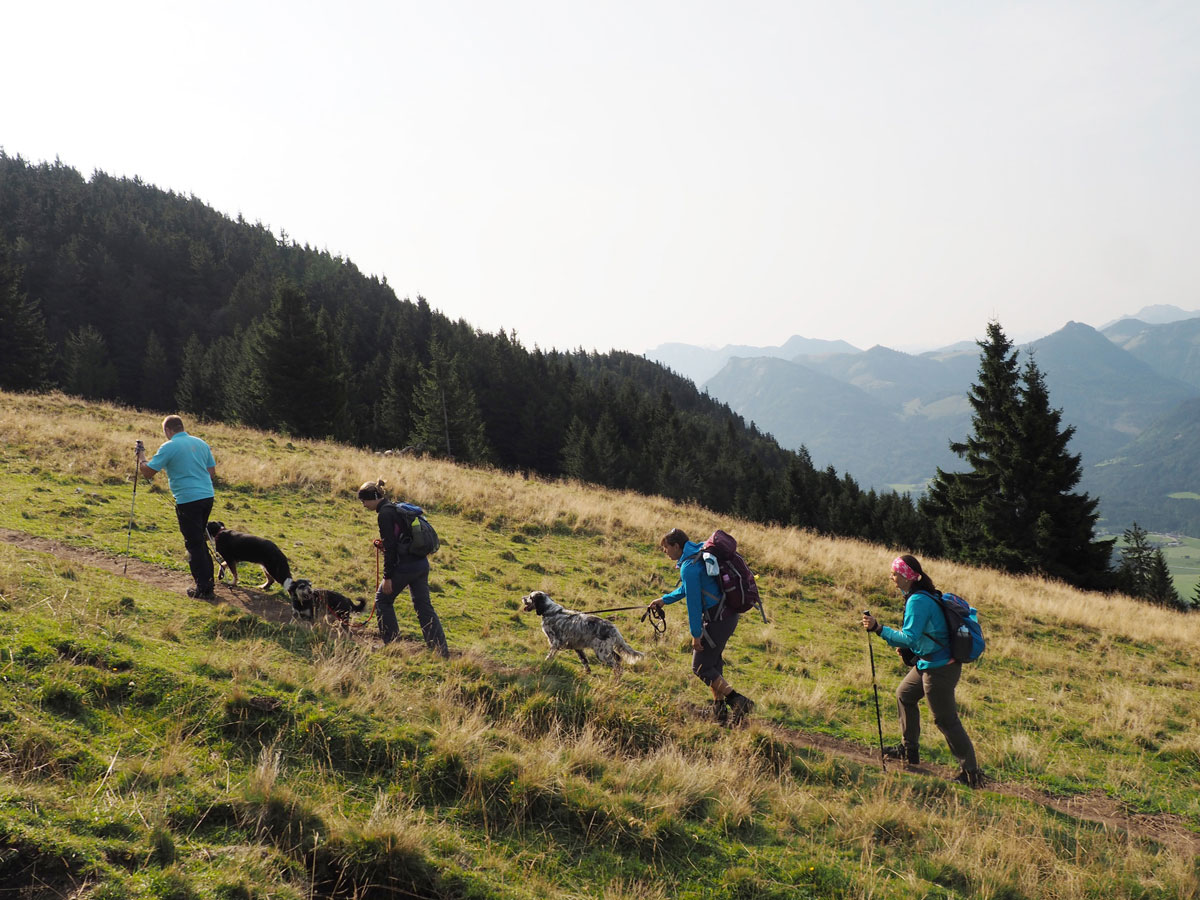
point(113, 289)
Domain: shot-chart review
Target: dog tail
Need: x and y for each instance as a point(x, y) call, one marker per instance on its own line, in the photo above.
point(358, 605)
point(628, 655)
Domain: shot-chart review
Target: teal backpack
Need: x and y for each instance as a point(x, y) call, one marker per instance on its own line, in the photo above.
point(962, 621)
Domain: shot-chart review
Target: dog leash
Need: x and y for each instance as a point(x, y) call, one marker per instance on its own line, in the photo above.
point(657, 616)
point(367, 621)
point(221, 566)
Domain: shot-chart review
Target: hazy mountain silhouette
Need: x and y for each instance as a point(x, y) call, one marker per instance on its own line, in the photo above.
point(1107, 393)
point(879, 440)
point(1156, 314)
point(1172, 350)
point(1163, 460)
point(702, 363)
point(887, 418)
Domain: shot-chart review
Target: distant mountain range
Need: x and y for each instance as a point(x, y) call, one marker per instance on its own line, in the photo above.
point(1131, 389)
point(702, 363)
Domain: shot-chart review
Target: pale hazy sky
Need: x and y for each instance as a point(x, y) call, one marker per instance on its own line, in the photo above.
point(623, 174)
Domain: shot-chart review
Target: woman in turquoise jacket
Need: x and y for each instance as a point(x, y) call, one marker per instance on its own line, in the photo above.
point(926, 637)
point(709, 632)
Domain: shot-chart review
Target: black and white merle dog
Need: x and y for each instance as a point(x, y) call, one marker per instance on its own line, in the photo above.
point(235, 547)
point(569, 630)
point(307, 600)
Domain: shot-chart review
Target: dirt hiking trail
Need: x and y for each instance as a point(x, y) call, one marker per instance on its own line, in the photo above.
point(1095, 807)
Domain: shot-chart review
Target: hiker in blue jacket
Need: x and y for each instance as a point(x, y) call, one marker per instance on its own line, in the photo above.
point(190, 467)
point(926, 638)
point(400, 570)
point(709, 633)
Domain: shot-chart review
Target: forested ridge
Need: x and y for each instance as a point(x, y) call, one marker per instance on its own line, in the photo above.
point(113, 289)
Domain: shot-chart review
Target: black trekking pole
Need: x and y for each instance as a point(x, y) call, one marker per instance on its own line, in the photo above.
point(137, 452)
point(875, 686)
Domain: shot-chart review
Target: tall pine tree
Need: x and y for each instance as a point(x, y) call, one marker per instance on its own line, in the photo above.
point(446, 418)
point(87, 369)
point(1056, 524)
point(24, 350)
point(968, 506)
point(1015, 507)
point(302, 388)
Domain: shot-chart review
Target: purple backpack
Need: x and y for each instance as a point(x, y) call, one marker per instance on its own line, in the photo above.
point(740, 593)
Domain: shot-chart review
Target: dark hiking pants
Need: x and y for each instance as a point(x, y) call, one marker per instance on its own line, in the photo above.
point(418, 587)
point(193, 517)
point(937, 686)
point(709, 663)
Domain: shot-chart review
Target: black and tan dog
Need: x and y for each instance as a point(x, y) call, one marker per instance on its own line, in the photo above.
point(235, 547)
point(307, 600)
point(566, 629)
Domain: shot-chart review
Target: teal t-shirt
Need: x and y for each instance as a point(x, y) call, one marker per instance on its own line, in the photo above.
point(186, 460)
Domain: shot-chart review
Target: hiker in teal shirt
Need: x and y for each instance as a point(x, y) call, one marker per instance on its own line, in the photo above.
point(710, 633)
point(190, 467)
point(924, 638)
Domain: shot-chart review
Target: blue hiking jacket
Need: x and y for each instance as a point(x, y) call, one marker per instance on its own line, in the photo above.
point(696, 586)
point(924, 631)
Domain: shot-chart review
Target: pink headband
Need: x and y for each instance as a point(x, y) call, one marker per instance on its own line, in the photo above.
point(900, 567)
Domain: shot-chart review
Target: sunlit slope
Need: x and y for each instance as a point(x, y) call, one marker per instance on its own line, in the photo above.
point(154, 746)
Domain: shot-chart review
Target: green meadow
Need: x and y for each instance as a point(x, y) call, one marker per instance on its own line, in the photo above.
point(156, 746)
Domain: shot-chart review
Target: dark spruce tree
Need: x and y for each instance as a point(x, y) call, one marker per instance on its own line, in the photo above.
point(1015, 508)
point(1143, 572)
point(87, 370)
point(1137, 555)
point(156, 377)
point(302, 389)
point(967, 506)
point(446, 419)
point(1161, 589)
point(25, 354)
point(1057, 523)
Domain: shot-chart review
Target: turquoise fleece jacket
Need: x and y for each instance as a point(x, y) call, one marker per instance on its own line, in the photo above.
point(696, 586)
point(923, 632)
point(187, 460)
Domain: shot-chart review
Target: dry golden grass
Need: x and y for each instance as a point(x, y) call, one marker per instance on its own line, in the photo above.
point(95, 440)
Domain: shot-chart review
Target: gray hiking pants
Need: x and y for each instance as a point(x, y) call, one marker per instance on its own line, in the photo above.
point(937, 686)
point(418, 587)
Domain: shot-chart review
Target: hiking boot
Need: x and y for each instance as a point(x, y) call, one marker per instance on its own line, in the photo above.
point(198, 593)
point(972, 778)
point(911, 755)
point(740, 706)
point(720, 711)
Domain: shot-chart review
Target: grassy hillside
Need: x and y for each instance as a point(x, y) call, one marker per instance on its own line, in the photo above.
point(155, 746)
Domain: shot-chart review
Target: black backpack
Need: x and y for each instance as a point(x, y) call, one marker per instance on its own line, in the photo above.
point(417, 536)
